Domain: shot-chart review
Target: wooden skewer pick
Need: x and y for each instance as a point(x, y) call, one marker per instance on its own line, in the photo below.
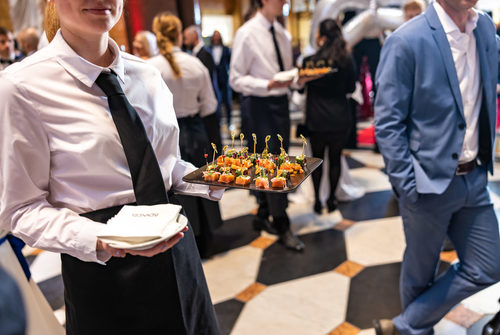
point(215, 151)
point(304, 143)
point(254, 142)
point(233, 134)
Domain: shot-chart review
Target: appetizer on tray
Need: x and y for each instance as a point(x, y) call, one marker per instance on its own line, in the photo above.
point(268, 172)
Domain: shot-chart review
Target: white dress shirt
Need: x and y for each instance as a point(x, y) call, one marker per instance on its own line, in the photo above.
point(60, 151)
point(193, 91)
point(254, 61)
point(466, 58)
point(217, 53)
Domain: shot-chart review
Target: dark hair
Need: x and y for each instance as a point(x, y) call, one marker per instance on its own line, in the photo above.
point(258, 3)
point(4, 31)
point(212, 38)
point(334, 50)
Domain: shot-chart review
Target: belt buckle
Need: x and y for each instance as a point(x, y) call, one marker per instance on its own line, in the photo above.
point(466, 170)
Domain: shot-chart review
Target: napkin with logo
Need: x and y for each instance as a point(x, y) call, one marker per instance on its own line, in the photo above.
point(139, 224)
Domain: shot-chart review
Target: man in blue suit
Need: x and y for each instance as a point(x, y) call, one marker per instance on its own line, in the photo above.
point(435, 118)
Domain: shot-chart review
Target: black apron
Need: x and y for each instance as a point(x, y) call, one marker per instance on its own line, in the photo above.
point(164, 294)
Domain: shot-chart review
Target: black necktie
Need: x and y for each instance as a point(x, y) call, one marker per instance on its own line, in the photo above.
point(149, 187)
point(278, 53)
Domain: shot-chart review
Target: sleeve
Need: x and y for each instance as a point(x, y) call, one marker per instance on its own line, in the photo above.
point(181, 169)
point(395, 77)
point(208, 102)
point(498, 48)
point(351, 76)
point(24, 184)
point(241, 61)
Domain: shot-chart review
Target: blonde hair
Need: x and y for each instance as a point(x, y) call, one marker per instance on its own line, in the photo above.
point(51, 21)
point(413, 5)
point(167, 28)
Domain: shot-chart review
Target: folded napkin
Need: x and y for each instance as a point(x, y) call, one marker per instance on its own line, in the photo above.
point(286, 75)
point(138, 224)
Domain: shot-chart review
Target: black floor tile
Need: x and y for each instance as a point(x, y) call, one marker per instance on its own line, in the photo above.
point(374, 294)
point(353, 163)
point(374, 205)
point(324, 251)
point(234, 233)
point(227, 313)
point(53, 290)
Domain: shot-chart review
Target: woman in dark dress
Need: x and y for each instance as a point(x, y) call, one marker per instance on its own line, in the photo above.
point(327, 110)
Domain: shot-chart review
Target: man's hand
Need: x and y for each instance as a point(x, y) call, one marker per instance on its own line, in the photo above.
point(278, 84)
point(305, 79)
point(157, 249)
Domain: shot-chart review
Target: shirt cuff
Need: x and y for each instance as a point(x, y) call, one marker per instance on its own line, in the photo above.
point(86, 243)
point(216, 195)
point(261, 87)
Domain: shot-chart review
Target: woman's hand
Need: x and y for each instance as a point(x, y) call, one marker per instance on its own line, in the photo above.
point(157, 249)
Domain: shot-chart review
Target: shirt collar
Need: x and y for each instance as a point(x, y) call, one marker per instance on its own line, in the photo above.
point(198, 47)
point(82, 69)
point(262, 19)
point(449, 25)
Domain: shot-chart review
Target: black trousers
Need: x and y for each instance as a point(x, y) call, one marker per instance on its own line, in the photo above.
point(203, 214)
point(268, 116)
point(164, 294)
point(335, 142)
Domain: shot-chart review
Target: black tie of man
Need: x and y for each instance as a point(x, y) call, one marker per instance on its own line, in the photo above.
point(149, 187)
point(276, 46)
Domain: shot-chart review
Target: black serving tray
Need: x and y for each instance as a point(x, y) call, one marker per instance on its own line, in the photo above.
point(196, 177)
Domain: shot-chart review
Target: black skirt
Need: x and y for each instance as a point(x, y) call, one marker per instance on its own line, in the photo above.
point(164, 294)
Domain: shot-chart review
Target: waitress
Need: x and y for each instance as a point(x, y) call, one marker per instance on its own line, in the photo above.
point(194, 99)
point(84, 130)
point(327, 111)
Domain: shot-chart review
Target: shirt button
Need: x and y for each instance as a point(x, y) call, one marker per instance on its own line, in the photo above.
point(454, 156)
point(461, 126)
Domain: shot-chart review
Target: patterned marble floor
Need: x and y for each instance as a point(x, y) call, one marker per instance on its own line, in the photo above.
point(346, 277)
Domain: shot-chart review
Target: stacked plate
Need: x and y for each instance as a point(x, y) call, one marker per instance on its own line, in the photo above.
point(142, 227)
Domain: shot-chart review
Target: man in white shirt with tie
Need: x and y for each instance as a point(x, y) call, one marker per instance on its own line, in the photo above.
point(262, 48)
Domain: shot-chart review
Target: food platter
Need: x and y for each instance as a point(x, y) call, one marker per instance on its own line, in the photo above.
point(292, 182)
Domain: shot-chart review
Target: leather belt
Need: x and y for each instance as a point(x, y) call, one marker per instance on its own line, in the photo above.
point(465, 168)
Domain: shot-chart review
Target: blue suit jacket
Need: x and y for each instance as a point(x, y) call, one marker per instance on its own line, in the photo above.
point(419, 114)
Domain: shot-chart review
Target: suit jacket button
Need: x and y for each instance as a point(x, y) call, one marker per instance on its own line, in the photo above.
point(454, 156)
point(461, 126)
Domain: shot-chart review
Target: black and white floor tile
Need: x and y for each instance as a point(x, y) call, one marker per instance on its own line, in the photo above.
point(346, 277)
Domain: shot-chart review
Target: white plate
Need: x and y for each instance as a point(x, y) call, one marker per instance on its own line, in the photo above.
point(181, 223)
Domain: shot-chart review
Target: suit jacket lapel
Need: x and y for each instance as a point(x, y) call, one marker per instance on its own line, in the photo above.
point(444, 47)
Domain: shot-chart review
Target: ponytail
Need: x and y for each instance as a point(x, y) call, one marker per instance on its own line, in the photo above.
point(51, 22)
point(167, 28)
